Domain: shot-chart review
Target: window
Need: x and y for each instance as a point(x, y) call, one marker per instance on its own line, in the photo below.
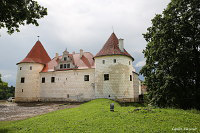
point(22, 80)
point(43, 79)
point(103, 61)
point(130, 77)
point(65, 58)
point(52, 79)
point(86, 77)
point(65, 66)
point(67, 95)
point(66, 78)
point(22, 90)
point(114, 60)
point(68, 65)
point(30, 67)
point(61, 66)
point(129, 62)
point(20, 68)
point(106, 76)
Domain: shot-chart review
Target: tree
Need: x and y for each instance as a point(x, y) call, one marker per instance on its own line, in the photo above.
point(5, 91)
point(172, 70)
point(14, 13)
point(0, 79)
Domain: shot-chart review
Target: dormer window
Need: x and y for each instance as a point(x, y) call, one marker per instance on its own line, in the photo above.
point(61, 66)
point(68, 65)
point(66, 62)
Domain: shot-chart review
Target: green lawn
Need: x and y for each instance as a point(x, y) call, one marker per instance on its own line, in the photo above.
point(95, 116)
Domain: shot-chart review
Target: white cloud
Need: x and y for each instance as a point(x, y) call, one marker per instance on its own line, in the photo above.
point(140, 63)
point(7, 76)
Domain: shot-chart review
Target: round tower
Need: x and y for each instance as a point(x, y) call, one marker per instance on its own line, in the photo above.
point(114, 71)
point(28, 74)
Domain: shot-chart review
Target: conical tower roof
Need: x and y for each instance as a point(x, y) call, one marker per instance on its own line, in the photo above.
point(111, 47)
point(37, 55)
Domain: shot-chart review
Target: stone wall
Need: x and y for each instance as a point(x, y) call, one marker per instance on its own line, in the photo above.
point(29, 90)
point(69, 85)
point(136, 87)
point(119, 85)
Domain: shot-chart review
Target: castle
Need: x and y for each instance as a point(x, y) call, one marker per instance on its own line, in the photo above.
point(78, 76)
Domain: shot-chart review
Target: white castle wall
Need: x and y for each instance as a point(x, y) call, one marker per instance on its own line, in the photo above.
point(119, 85)
point(69, 85)
point(29, 90)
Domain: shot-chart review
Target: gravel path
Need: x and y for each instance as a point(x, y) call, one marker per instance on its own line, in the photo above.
point(18, 111)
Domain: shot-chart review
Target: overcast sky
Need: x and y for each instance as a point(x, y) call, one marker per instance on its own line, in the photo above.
point(81, 24)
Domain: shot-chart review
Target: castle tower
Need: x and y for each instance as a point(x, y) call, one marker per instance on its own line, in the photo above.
point(114, 71)
point(28, 78)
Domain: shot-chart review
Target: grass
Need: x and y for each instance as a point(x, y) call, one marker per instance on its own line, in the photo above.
point(95, 116)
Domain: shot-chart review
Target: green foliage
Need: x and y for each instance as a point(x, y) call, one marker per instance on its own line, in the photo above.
point(172, 73)
point(0, 79)
point(5, 91)
point(14, 13)
point(146, 99)
point(95, 116)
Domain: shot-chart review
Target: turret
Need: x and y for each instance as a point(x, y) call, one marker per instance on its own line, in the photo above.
point(114, 71)
point(27, 82)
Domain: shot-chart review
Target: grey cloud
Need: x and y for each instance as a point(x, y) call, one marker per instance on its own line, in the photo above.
point(76, 24)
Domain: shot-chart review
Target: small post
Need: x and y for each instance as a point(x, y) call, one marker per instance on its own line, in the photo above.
point(112, 107)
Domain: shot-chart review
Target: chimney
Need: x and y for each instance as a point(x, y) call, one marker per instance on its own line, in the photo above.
point(56, 55)
point(81, 53)
point(121, 45)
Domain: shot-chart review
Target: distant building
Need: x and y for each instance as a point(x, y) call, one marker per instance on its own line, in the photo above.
point(78, 76)
point(143, 88)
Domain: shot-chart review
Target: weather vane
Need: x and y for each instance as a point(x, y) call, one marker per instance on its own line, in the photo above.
point(38, 37)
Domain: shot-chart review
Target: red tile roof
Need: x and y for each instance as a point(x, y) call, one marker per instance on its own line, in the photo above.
point(111, 48)
point(81, 63)
point(37, 55)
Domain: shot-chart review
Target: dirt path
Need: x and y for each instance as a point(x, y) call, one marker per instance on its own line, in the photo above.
point(13, 111)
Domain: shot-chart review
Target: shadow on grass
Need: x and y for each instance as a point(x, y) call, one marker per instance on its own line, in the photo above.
point(195, 111)
point(125, 104)
point(4, 130)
